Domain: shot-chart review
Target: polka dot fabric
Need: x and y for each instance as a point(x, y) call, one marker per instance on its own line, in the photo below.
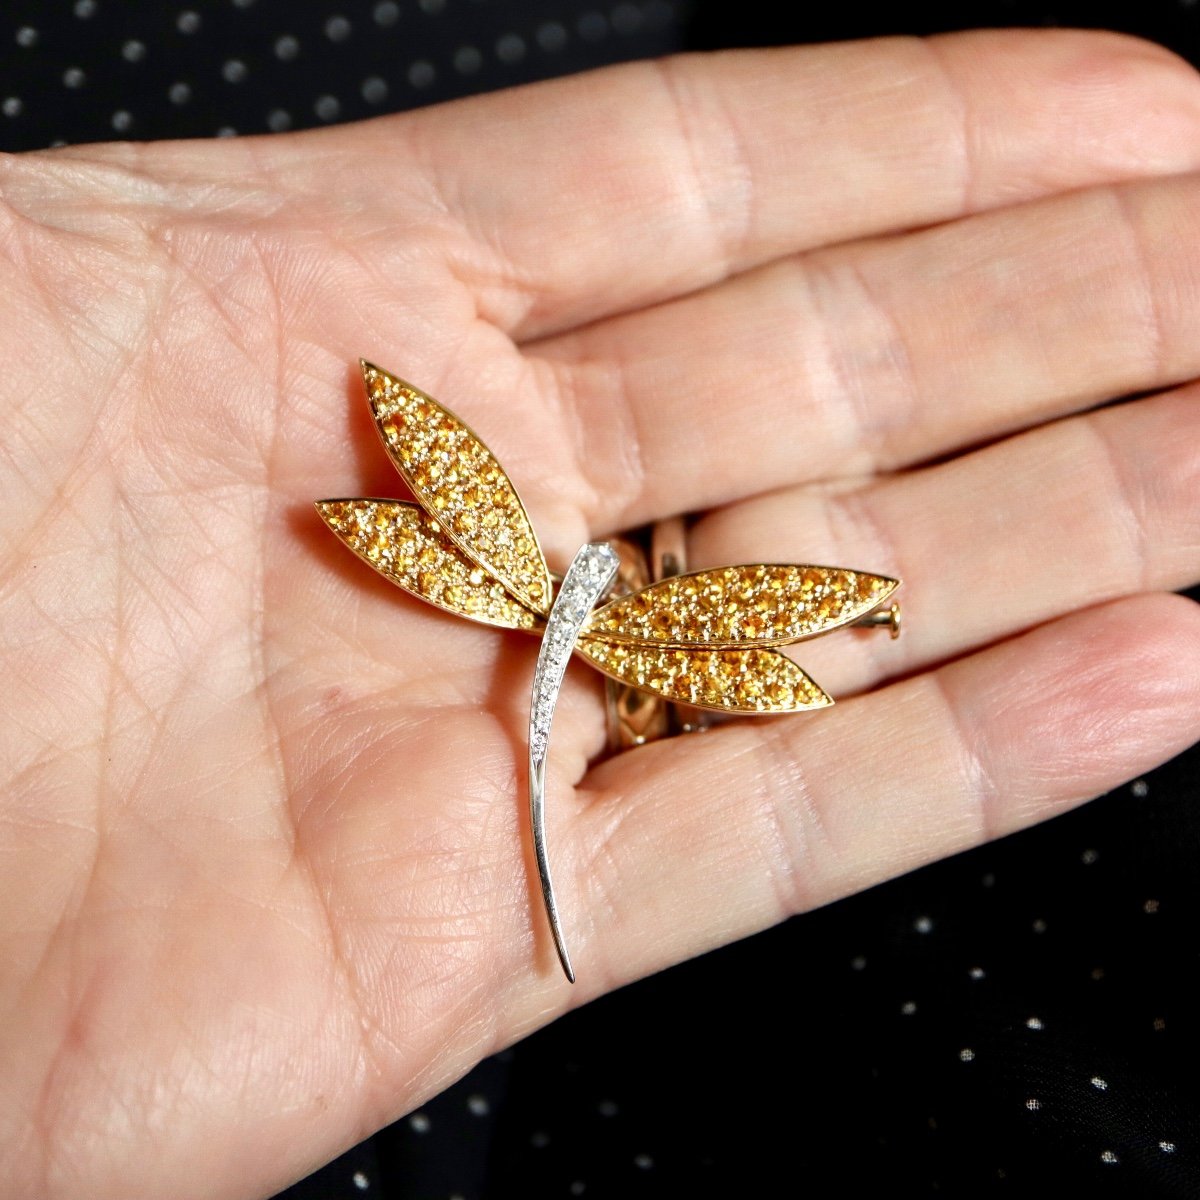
point(1020, 1021)
point(95, 71)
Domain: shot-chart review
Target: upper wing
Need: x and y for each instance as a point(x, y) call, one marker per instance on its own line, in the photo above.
point(760, 605)
point(746, 680)
point(408, 547)
point(458, 481)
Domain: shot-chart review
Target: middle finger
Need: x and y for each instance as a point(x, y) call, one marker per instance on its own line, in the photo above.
point(878, 354)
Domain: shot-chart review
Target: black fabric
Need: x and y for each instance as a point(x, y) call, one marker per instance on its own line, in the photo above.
point(1020, 1020)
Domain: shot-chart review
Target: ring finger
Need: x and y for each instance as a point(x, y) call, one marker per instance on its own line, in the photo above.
point(1069, 515)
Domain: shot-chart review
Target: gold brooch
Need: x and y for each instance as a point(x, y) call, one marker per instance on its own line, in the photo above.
point(708, 639)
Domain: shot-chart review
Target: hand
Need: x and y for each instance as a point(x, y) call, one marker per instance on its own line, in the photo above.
point(266, 879)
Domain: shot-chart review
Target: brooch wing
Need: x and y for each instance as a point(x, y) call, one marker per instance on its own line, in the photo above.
point(747, 680)
point(458, 482)
point(709, 638)
point(760, 605)
point(407, 546)
point(469, 547)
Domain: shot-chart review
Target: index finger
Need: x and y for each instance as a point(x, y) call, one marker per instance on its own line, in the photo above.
point(607, 192)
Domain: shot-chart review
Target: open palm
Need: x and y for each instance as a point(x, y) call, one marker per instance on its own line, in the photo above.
point(265, 881)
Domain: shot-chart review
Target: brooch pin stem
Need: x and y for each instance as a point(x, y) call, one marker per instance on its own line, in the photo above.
point(882, 618)
point(588, 578)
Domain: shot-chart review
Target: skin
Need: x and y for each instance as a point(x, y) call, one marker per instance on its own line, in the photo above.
point(266, 882)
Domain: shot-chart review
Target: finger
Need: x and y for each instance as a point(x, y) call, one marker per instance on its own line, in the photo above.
point(1075, 513)
point(614, 190)
point(876, 355)
point(699, 840)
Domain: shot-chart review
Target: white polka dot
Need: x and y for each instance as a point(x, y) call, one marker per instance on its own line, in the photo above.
point(540, 1140)
point(626, 18)
point(592, 26)
point(278, 120)
point(1107, 1156)
point(1101, 1085)
point(286, 48)
point(73, 77)
point(234, 70)
point(327, 108)
point(337, 28)
point(361, 1181)
point(374, 90)
point(1088, 857)
point(1034, 1023)
point(478, 1106)
point(421, 74)
point(386, 13)
point(11, 106)
point(908, 1008)
point(419, 1123)
point(607, 1108)
point(433, 6)
point(923, 924)
point(27, 36)
point(179, 93)
point(552, 37)
point(1140, 787)
point(510, 48)
point(1159, 1024)
point(122, 120)
point(858, 963)
point(1167, 1147)
point(1033, 1104)
point(85, 9)
point(976, 973)
point(966, 1054)
point(187, 21)
point(1039, 926)
point(227, 131)
point(133, 50)
point(467, 60)
point(643, 1162)
point(1151, 906)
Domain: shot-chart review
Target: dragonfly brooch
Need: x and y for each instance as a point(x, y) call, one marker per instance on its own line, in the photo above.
point(709, 639)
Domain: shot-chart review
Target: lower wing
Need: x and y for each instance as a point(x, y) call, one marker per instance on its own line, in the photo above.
point(742, 680)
